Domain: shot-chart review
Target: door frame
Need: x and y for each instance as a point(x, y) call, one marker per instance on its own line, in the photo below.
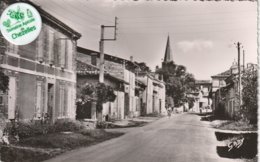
point(50, 81)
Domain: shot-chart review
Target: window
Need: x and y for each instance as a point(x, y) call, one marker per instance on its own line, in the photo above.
point(63, 112)
point(62, 52)
point(50, 47)
point(40, 47)
point(70, 52)
point(94, 59)
point(11, 48)
point(61, 101)
point(39, 100)
point(215, 83)
point(222, 83)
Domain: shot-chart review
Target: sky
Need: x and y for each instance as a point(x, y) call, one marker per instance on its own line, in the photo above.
point(202, 34)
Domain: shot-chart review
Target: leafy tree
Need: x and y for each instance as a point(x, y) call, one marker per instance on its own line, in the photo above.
point(4, 81)
point(178, 81)
point(143, 67)
point(100, 93)
point(249, 95)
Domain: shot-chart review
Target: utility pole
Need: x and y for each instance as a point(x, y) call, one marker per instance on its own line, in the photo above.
point(243, 60)
point(239, 73)
point(101, 48)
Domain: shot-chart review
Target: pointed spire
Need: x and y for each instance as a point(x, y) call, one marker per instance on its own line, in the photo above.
point(168, 53)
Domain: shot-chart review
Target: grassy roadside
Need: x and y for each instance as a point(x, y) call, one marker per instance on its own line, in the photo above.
point(234, 125)
point(231, 133)
point(45, 146)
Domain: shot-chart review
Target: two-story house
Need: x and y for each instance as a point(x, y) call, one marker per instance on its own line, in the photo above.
point(89, 74)
point(42, 74)
point(232, 90)
point(122, 69)
point(203, 87)
point(153, 95)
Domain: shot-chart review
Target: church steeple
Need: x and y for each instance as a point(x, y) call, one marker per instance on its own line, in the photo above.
point(168, 53)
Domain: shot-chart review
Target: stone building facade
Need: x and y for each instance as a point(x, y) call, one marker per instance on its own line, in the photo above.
point(89, 74)
point(42, 74)
point(121, 68)
point(153, 95)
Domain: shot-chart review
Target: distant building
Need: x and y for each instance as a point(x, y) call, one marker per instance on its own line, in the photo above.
point(231, 91)
point(225, 90)
point(154, 94)
point(89, 74)
point(218, 81)
point(168, 57)
point(203, 88)
point(121, 68)
point(42, 74)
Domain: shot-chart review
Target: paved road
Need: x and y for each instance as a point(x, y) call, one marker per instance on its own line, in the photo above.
point(182, 138)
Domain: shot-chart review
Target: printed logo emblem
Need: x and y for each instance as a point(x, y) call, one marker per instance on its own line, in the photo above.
point(20, 23)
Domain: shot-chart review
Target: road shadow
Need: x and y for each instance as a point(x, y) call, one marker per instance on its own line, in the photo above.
point(247, 150)
point(211, 117)
point(205, 114)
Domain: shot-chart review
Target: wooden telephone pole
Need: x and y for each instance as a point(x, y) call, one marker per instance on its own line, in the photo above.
point(101, 48)
point(239, 73)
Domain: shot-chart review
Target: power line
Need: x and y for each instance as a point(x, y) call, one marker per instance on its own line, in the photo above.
point(86, 13)
point(75, 15)
point(176, 20)
point(185, 32)
point(173, 25)
point(96, 11)
point(78, 22)
point(191, 14)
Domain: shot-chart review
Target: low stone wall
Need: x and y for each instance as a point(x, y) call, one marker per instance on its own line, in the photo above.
point(90, 123)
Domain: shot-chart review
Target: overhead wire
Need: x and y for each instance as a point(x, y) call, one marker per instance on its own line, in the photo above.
point(96, 11)
point(79, 22)
point(123, 29)
point(190, 14)
point(80, 11)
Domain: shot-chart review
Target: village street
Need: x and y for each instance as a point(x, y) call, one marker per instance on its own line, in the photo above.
point(182, 138)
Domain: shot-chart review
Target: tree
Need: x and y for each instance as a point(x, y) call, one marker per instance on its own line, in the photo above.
point(4, 81)
point(101, 93)
point(178, 81)
point(143, 67)
point(249, 95)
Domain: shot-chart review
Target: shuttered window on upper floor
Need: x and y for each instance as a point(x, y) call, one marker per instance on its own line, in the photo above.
point(62, 52)
point(40, 47)
point(55, 49)
point(69, 54)
point(50, 47)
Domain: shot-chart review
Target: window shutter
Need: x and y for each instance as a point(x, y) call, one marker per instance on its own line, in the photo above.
point(69, 54)
point(62, 53)
point(12, 97)
point(56, 49)
point(40, 47)
point(61, 101)
point(65, 112)
point(46, 45)
point(38, 99)
point(51, 45)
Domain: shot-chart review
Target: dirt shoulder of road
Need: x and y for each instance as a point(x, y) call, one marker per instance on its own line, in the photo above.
point(128, 125)
point(43, 147)
point(228, 125)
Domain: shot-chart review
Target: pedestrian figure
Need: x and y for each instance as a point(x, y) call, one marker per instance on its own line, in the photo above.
point(169, 111)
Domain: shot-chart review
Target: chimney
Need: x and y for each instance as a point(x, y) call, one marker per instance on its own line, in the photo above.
point(131, 58)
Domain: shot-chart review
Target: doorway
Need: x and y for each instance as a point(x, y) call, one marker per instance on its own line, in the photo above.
point(50, 101)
